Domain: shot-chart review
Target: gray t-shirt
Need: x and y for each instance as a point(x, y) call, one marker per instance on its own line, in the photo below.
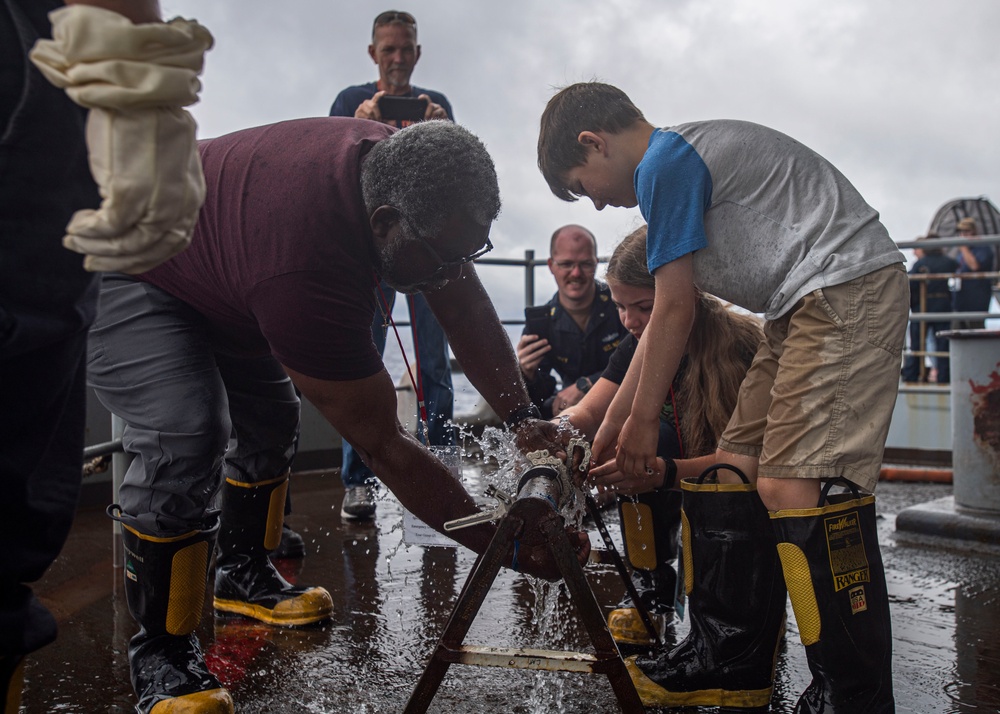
point(768, 219)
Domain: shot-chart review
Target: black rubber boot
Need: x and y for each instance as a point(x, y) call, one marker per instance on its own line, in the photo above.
point(291, 545)
point(736, 602)
point(11, 683)
point(246, 582)
point(165, 582)
point(833, 568)
point(650, 531)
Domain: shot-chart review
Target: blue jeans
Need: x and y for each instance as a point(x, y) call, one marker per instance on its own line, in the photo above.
point(435, 375)
point(911, 364)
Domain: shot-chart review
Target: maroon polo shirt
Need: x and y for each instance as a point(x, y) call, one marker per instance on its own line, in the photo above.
point(281, 259)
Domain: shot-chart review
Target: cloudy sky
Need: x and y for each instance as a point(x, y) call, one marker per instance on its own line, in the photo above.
point(903, 95)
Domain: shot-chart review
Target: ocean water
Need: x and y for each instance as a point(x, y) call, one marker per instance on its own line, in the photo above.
point(466, 395)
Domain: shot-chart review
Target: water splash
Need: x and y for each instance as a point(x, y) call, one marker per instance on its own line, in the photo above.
point(549, 615)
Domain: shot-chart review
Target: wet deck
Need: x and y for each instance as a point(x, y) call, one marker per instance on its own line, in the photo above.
point(391, 604)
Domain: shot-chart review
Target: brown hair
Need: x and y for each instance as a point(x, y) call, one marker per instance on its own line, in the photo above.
point(719, 350)
point(627, 264)
point(585, 106)
point(394, 17)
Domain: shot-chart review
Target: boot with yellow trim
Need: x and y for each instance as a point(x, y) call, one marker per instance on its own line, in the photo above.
point(736, 603)
point(246, 582)
point(833, 569)
point(650, 532)
point(165, 582)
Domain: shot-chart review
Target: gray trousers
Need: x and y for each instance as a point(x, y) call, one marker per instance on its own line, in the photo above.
point(193, 414)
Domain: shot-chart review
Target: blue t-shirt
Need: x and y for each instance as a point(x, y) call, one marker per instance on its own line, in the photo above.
point(348, 101)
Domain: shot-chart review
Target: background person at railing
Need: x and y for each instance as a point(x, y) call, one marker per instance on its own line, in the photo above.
point(929, 296)
point(973, 295)
point(395, 51)
point(581, 331)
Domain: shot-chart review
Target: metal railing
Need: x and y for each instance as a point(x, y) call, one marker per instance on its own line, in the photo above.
point(529, 262)
point(924, 317)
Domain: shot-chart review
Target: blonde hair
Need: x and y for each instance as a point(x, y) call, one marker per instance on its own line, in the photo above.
point(719, 350)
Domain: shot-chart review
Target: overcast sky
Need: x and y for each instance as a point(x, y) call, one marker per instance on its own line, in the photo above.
point(903, 96)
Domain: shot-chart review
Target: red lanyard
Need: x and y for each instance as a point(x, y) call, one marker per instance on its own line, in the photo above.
point(417, 383)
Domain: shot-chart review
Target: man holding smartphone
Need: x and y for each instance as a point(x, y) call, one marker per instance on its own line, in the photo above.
point(575, 332)
point(394, 101)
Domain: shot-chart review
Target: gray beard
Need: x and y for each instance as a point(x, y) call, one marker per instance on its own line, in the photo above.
point(387, 257)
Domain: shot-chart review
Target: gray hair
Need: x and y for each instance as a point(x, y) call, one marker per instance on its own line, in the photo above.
point(430, 171)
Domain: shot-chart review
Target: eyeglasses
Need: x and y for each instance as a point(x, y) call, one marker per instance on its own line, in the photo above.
point(585, 266)
point(390, 16)
point(445, 265)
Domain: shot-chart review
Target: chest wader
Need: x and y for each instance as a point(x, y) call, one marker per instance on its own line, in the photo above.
point(833, 568)
point(736, 601)
point(246, 583)
point(650, 531)
point(165, 581)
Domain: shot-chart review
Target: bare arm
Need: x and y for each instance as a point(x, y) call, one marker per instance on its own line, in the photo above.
point(659, 355)
point(363, 411)
point(480, 343)
point(970, 258)
point(587, 415)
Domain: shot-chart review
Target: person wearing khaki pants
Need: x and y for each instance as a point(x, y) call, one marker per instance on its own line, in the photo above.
point(752, 216)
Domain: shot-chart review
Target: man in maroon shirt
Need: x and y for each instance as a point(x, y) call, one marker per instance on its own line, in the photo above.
point(201, 356)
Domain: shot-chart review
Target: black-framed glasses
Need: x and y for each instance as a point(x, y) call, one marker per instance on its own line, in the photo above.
point(585, 266)
point(390, 16)
point(445, 265)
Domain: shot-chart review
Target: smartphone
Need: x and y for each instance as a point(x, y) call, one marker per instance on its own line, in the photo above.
point(537, 319)
point(402, 108)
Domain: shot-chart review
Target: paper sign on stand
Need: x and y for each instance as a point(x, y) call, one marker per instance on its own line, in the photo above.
point(415, 531)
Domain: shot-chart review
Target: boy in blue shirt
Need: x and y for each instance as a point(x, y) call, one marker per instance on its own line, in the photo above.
point(750, 215)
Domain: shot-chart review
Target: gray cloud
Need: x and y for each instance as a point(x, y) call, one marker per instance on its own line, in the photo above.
point(902, 96)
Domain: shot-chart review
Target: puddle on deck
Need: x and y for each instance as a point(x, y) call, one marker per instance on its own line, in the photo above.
point(392, 602)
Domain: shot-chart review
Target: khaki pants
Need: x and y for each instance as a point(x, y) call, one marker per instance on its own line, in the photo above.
point(818, 398)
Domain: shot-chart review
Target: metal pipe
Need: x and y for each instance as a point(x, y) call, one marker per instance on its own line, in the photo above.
point(951, 242)
point(529, 278)
point(915, 475)
point(98, 450)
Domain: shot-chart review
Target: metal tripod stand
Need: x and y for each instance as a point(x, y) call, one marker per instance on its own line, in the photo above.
point(540, 490)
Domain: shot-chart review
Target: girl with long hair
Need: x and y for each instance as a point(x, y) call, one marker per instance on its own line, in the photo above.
point(720, 348)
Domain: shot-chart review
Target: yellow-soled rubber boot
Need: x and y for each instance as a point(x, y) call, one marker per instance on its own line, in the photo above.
point(246, 583)
point(736, 603)
point(165, 582)
point(833, 569)
point(650, 532)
